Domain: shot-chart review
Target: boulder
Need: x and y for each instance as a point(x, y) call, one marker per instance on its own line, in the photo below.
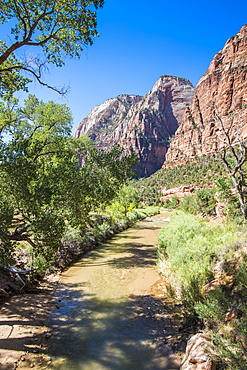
point(199, 352)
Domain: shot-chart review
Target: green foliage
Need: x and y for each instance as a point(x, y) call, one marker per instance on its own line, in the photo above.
point(189, 204)
point(205, 201)
point(148, 195)
point(224, 186)
point(141, 213)
point(11, 81)
point(171, 203)
point(187, 252)
point(6, 216)
point(60, 28)
point(43, 189)
point(214, 308)
point(231, 352)
point(230, 337)
point(202, 172)
point(202, 202)
point(185, 248)
point(225, 193)
point(127, 198)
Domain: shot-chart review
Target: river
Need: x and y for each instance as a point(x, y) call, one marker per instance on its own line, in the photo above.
point(106, 317)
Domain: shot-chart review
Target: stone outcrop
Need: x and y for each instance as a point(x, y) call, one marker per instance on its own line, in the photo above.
point(143, 125)
point(221, 94)
point(199, 352)
point(182, 191)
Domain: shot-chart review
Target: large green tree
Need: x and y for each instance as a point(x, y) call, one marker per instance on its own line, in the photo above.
point(59, 27)
point(43, 190)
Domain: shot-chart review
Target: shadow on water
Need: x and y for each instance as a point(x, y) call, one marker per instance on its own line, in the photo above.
point(92, 333)
point(98, 324)
point(138, 255)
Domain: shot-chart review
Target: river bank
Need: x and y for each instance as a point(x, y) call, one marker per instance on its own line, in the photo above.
point(23, 326)
point(27, 340)
point(25, 335)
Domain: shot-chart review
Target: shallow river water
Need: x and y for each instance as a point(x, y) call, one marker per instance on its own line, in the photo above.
point(106, 317)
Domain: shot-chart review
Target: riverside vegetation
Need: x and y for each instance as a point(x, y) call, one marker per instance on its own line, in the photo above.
point(46, 197)
point(48, 203)
point(206, 266)
point(205, 262)
point(50, 208)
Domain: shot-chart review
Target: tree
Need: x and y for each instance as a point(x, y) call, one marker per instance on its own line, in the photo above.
point(59, 27)
point(234, 155)
point(127, 198)
point(230, 145)
point(43, 189)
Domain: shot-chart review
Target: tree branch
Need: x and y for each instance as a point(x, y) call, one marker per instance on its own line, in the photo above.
point(27, 38)
point(17, 7)
point(36, 75)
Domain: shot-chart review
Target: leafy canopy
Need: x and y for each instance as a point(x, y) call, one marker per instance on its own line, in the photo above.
point(43, 189)
point(59, 27)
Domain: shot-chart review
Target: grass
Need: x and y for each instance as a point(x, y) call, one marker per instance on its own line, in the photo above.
point(188, 244)
point(189, 249)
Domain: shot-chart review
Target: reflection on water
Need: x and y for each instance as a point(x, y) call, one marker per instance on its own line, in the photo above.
point(105, 317)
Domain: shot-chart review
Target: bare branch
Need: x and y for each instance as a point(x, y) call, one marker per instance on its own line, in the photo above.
point(37, 75)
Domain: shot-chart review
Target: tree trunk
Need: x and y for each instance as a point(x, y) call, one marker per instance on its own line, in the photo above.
point(239, 190)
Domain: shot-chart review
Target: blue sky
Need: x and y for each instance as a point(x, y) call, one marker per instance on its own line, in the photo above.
point(140, 41)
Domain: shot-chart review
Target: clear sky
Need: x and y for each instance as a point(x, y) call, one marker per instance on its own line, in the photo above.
point(140, 40)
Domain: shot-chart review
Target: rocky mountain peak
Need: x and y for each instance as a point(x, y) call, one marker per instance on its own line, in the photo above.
point(141, 124)
point(102, 120)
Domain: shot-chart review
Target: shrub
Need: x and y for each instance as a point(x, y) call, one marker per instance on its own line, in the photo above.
point(186, 246)
point(202, 202)
point(205, 201)
point(171, 203)
point(189, 204)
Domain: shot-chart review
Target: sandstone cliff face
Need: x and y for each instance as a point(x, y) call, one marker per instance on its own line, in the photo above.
point(104, 118)
point(221, 92)
point(141, 124)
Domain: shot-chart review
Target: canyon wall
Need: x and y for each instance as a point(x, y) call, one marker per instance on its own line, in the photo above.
point(143, 125)
point(220, 99)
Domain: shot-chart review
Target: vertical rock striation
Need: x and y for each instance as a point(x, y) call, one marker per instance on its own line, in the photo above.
point(100, 123)
point(143, 125)
point(221, 92)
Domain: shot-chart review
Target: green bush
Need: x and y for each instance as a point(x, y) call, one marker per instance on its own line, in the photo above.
point(171, 203)
point(213, 309)
point(187, 251)
point(202, 172)
point(205, 201)
point(186, 246)
point(202, 202)
point(189, 204)
point(224, 189)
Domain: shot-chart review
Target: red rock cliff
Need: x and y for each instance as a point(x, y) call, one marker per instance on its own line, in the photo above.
point(221, 92)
